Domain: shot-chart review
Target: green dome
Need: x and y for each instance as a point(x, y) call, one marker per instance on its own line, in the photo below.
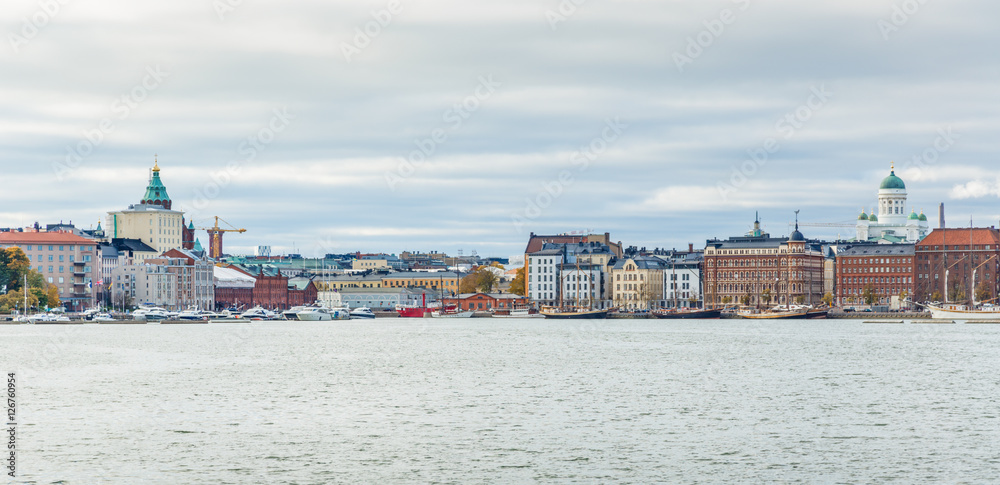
point(913, 216)
point(923, 218)
point(873, 218)
point(892, 182)
point(863, 216)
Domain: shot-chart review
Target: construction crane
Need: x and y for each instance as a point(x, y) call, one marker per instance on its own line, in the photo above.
point(215, 237)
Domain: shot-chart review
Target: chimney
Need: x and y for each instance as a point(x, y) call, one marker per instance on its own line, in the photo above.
point(690, 247)
point(941, 224)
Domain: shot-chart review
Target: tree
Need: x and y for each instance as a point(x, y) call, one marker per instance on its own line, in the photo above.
point(486, 278)
point(828, 299)
point(745, 299)
point(468, 283)
point(983, 292)
point(14, 264)
point(800, 300)
point(517, 286)
point(869, 296)
point(765, 296)
point(937, 296)
point(52, 295)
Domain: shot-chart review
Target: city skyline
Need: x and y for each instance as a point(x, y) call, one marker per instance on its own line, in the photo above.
point(297, 124)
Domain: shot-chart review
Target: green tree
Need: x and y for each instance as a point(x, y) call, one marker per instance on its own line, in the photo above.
point(745, 299)
point(14, 264)
point(828, 299)
point(937, 296)
point(517, 286)
point(765, 296)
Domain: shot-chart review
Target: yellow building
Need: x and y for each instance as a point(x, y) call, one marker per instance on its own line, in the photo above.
point(637, 283)
point(448, 281)
point(370, 264)
point(151, 221)
point(348, 281)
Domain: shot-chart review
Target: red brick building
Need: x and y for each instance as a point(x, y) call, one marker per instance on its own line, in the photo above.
point(278, 293)
point(886, 269)
point(486, 302)
point(947, 258)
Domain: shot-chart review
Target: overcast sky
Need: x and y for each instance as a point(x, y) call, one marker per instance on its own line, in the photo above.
point(468, 124)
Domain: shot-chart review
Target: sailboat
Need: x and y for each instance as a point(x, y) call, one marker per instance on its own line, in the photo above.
point(575, 312)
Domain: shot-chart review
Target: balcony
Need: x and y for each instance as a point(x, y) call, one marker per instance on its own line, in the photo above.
point(79, 263)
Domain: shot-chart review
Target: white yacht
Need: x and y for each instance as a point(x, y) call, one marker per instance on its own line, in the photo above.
point(258, 313)
point(151, 314)
point(102, 318)
point(362, 313)
point(314, 314)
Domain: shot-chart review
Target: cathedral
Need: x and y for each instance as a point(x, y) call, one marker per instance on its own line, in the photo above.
point(892, 225)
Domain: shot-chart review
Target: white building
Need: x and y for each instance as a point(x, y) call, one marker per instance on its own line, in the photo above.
point(543, 271)
point(894, 223)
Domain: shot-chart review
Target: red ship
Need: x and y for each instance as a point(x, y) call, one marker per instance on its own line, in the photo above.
point(414, 311)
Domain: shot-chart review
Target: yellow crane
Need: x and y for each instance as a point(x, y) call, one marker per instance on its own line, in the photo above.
point(215, 237)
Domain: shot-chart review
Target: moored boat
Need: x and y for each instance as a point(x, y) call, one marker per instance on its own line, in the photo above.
point(691, 314)
point(581, 314)
point(362, 313)
point(987, 312)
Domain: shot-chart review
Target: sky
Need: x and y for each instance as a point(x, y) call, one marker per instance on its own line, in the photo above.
point(329, 127)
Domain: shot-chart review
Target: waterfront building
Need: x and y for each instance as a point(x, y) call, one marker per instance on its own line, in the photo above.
point(573, 273)
point(446, 281)
point(484, 302)
point(638, 283)
point(883, 272)
point(70, 262)
point(152, 220)
point(176, 280)
point(385, 299)
point(759, 270)
point(233, 288)
point(344, 281)
point(894, 223)
point(279, 292)
point(947, 259)
point(682, 276)
point(370, 264)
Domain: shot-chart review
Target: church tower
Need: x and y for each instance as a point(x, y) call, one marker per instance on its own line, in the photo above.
point(156, 192)
point(892, 200)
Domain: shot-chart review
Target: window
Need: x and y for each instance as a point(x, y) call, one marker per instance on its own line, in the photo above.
point(62, 258)
point(50, 270)
point(61, 280)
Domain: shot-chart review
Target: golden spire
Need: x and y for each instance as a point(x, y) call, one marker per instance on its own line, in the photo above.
point(156, 163)
point(892, 166)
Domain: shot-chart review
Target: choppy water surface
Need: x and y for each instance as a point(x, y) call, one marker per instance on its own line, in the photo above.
point(508, 401)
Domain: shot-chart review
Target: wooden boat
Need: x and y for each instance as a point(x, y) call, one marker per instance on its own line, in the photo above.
point(689, 314)
point(776, 315)
point(989, 312)
point(581, 314)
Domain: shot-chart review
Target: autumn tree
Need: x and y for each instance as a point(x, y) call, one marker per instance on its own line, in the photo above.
point(869, 296)
point(828, 299)
point(983, 292)
point(518, 286)
point(766, 296)
point(486, 278)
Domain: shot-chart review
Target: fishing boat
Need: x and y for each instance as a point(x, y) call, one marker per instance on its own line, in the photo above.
point(689, 314)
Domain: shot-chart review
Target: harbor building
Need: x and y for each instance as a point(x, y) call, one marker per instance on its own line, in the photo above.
point(760, 270)
point(70, 262)
point(682, 286)
point(893, 223)
point(152, 220)
point(952, 265)
point(883, 272)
